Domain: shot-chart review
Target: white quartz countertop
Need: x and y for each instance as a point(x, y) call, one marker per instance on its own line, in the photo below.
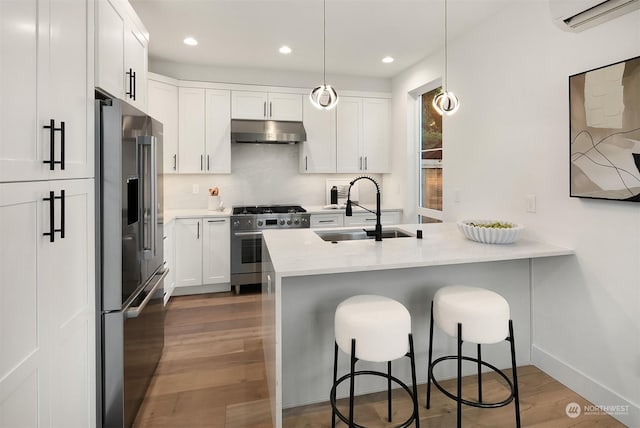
point(319, 209)
point(170, 215)
point(298, 252)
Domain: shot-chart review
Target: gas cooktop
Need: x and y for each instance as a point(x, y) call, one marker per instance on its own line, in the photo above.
point(268, 209)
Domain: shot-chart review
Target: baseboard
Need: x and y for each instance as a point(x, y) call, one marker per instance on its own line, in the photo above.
point(201, 289)
point(618, 407)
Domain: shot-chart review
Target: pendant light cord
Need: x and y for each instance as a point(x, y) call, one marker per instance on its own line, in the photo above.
point(324, 42)
point(445, 45)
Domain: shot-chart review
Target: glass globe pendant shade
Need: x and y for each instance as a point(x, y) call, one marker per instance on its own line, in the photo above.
point(446, 103)
point(324, 97)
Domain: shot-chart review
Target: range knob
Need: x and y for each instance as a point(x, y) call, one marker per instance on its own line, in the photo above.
point(296, 221)
point(236, 223)
point(281, 222)
point(259, 222)
point(289, 222)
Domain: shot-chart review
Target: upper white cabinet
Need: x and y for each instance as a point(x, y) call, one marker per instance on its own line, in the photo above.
point(204, 132)
point(46, 120)
point(318, 153)
point(121, 52)
point(363, 135)
point(262, 105)
point(163, 106)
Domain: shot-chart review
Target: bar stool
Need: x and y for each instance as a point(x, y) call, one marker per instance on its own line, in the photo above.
point(479, 316)
point(377, 329)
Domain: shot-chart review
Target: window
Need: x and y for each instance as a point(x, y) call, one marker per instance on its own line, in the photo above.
point(430, 187)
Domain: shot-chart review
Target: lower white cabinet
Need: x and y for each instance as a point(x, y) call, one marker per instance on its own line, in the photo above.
point(367, 219)
point(202, 251)
point(47, 304)
point(327, 220)
point(169, 259)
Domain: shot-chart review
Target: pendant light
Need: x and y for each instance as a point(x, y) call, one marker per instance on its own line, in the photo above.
point(446, 101)
point(324, 96)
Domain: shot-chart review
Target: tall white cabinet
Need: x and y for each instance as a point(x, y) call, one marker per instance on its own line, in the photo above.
point(47, 284)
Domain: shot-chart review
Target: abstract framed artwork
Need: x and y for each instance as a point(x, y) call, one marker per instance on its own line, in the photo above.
point(604, 106)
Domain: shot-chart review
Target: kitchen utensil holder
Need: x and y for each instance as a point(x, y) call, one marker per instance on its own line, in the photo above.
point(213, 203)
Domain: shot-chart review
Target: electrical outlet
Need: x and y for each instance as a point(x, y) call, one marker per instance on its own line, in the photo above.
point(531, 203)
point(195, 189)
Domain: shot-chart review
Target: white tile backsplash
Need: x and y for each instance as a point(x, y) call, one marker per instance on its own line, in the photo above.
point(261, 174)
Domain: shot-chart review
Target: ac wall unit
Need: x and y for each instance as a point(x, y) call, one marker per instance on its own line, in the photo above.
point(578, 15)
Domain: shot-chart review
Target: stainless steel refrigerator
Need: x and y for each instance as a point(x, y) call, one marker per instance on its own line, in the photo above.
point(130, 260)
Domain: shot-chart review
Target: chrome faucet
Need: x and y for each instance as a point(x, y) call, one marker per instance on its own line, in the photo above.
point(349, 210)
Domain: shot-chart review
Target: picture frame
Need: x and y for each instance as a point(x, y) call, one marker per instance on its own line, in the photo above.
point(604, 120)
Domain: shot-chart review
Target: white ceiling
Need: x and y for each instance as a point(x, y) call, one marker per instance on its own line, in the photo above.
point(248, 33)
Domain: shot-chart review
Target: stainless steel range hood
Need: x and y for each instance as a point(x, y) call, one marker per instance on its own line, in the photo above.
point(267, 131)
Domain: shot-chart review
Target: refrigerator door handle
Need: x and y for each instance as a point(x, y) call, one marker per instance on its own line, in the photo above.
point(135, 311)
point(149, 142)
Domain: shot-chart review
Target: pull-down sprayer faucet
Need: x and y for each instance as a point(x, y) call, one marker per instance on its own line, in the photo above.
point(349, 210)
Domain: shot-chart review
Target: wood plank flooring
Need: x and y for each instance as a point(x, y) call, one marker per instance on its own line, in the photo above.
point(212, 374)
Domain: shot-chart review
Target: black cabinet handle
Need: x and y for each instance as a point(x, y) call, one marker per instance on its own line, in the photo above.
point(175, 162)
point(51, 232)
point(270, 109)
point(208, 166)
point(130, 74)
point(134, 86)
point(201, 167)
point(62, 214)
point(198, 237)
point(52, 144)
point(52, 216)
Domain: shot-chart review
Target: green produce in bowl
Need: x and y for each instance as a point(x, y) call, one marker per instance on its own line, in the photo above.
point(496, 225)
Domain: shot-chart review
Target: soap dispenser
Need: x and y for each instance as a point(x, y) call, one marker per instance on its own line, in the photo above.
point(334, 195)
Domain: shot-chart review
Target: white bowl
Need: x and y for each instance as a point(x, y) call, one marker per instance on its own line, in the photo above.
point(490, 235)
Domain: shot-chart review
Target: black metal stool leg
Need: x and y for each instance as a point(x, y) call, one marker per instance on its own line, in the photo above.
point(389, 390)
point(479, 374)
point(335, 379)
point(412, 357)
point(429, 374)
point(516, 395)
point(459, 395)
point(352, 382)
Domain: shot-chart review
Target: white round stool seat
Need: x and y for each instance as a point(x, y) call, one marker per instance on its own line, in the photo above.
point(484, 314)
point(380, 326)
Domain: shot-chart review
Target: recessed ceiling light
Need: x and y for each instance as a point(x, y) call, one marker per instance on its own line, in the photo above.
point(285, 50)
point(190, 41)
point(388, 59)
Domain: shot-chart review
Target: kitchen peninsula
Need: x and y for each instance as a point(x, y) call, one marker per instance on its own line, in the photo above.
point(306, 277)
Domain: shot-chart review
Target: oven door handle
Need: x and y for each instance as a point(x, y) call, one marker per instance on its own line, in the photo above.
point(247, 233)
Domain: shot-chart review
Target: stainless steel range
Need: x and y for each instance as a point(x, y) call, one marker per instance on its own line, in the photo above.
point(247, 224)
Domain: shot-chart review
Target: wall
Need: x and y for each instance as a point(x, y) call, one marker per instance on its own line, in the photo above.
point(261, 174)
point(510, 138)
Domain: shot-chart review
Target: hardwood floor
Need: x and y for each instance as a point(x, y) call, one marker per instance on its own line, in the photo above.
point(212, 374)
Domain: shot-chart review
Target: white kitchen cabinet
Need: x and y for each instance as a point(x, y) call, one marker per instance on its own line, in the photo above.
point(387, 218)
point(262, 105)
point(216, 255)
point(121, 53)
point(169, 259)
point(47, 321)
point(188, 252)
point(163, 106)
point(363, 135)
point(204, 134)
point(318, 153)
point(327, 220)
point(44, 81)
point(202, 251)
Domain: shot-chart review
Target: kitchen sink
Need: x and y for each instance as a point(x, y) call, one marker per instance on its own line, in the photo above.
point(358, 234)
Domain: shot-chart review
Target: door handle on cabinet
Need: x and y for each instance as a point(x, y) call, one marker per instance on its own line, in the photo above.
point(216, 221)
point(130, 74)
point(264, 109)
point(198, 233)
point(134, 86)
point(360, 163)
point(52, 144)
point(270, 109)
point(208, 168)
point(201, 159)
point(306, 163)
point(52, 216)
point(175, 162)
point(366, 163)
point(62, 214)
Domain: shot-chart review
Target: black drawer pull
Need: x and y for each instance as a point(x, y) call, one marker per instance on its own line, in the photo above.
point(130, 74)
point(52, 144)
